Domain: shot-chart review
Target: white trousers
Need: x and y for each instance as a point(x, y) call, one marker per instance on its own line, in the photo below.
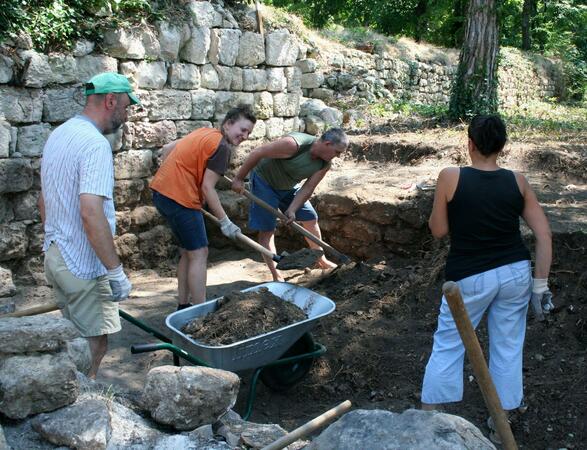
point(504, 293)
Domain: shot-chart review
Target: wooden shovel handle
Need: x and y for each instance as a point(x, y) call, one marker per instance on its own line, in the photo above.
point(32, 311)
point(244, 239)
point(475, 353)
point(296, 226)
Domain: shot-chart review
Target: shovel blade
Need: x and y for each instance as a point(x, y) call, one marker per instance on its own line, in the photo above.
point(300, 259)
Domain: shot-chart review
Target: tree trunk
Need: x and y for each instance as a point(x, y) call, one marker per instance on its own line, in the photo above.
point(459, 11)
point(421, 20)
point(474, 90)
point(528, 13)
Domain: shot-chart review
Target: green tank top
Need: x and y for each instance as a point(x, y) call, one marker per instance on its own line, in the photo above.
point(284, 174)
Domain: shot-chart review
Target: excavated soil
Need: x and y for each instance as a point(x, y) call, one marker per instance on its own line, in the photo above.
point(242, 315)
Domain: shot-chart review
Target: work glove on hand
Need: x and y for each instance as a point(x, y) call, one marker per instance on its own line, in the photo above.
point(541, 298)
point(228, 228)
point(119, 284)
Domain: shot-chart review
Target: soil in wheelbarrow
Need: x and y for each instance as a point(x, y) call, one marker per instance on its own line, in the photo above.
point(242, 315)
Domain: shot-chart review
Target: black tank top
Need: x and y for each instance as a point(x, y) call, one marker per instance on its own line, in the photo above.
point(484, 223)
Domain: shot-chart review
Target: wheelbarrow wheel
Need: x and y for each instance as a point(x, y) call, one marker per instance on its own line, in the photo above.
point(281, 378)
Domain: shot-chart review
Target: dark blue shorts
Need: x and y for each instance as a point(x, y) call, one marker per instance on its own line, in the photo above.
point(186, 224)
point(262, 220)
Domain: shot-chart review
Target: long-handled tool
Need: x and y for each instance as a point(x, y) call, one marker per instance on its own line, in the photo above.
point(297, 260)
point(340, 257)
point(469, 338)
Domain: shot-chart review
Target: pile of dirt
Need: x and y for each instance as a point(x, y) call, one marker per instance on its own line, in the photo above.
point(242, 315)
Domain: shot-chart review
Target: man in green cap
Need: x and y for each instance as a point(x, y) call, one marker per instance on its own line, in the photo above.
point(77, 182)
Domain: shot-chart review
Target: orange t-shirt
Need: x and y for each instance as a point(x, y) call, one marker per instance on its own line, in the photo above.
point(181, 174)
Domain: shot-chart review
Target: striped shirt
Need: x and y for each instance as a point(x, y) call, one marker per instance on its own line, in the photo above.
point(77, 159)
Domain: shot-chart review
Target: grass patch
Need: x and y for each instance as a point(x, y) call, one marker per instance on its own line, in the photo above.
point(391, 109)
point(546, 117)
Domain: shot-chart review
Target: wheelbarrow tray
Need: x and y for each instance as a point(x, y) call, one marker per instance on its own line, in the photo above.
point(259, 350)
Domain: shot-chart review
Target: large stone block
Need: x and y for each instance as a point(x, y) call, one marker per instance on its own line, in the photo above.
point(83, 47)
point(293, 75)
point(332, 117)
point(209, 79)
point(311, 107)
point(62, 104)
point(312, 80)
point(85, 425)
point(37, 72)
point(35, 334)
point(281, 48)
point(13, 241)
point(170, 104)
point(37, 383)
point(307, 65)
point(90, 65)
point(6, 212)
point(224, 45)
point(254, 79)
point(133, 164)
point(203, 104)
point(5, 139)
point(237, 79)
point(6, 69)
point(286, 105)
point(170, 40)
point(276, 81)
point(16, 175)
point(131, 44)
point(31, 139)
point(184, 76)
point(7, 288)
point(149, 134)
point(21, 105)
point(63, 68)
point(185, 127)
point(128, 192)
point(25, 205)
point(203, 14)
point(187, 397)
point(155, 245)
point(224, 77)
point(314, 125)
point(251, 50)
point(146, 75)
point(274, 127)
point(195, 50)
point(263, 105)
point(226, 100)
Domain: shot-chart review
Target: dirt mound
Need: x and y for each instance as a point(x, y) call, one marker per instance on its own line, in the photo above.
point(242, 315)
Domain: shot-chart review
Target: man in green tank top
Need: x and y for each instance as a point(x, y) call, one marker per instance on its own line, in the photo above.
point(278, 168)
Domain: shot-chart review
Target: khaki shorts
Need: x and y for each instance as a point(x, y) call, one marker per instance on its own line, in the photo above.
point(87, 303)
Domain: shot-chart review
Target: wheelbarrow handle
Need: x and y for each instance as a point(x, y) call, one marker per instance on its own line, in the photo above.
point(245, 239)
point(146, 348)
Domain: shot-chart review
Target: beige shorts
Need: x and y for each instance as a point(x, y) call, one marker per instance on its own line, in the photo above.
point(87, 303)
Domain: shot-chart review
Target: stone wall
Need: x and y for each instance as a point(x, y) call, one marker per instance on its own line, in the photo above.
point(187, 76)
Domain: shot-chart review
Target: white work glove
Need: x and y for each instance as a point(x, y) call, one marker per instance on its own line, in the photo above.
point(119, 284)
point(541, 298)
point(228, 228)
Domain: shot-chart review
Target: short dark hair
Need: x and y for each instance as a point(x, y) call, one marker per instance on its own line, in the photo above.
point(240, 112)
point(488, 133)
point(335, 135)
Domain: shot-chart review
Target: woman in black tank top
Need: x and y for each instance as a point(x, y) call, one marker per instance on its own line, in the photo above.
point(480, 208)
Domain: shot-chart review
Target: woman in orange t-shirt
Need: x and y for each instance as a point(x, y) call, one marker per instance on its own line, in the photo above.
point(190, 169)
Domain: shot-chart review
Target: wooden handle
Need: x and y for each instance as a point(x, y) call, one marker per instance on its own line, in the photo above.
point(245, 240)
point(33, 311)
point(296, 226)
point(309, 427)
point(457, 308)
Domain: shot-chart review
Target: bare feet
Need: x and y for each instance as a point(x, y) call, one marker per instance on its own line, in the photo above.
point(324, 263)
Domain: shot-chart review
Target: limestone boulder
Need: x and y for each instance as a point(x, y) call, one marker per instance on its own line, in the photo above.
point(83, 47)
point(224, 46)
point(322, 94)
point(203, 14)
point(274, 128)
point(25, 206)
point(224, 74)
point(187, 397)
point(131, 44)
point(332, 117)
point(37, 72)
point(146, 75)
point(5, 139)
point(20, 105)
point(251, 50)
point(85, 425)
point(184, 76)
point(307, 65)
point(254, 79)
point(90, 65)
point(63, 68)
point(311, 107)
point(62, 104)
point(7, 288)
point(312, 80)
point(195, 50)
point(145, 215)
point(276, 80)
point(203, 104)
point(410, 430)
point(35, 334)
point(185, 127)
point(16, 175)
point(128, 192)
point(293, 76)
point(281, 48)
point(314, 125)
point(6, 210)
point(31, 139)
point(259, 131)
point(170, 40)
point(209, 77)
point(155, 244)
point(170, 104)
point(286, 105)
point(133, 164)
point(226, 100)
point(36, 383)
point(263, 105)
point(149, 134)
point(6, 69)
point(78, 350)
point(237, 83)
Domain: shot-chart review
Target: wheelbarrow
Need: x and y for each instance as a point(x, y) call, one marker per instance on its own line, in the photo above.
point(280, 358)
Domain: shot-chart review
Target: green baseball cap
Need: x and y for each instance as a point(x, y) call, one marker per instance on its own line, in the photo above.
point(111, 82)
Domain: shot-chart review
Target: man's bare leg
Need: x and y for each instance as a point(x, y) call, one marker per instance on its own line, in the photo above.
point(98, 347)
point(183, 292)
point(312, 227)
point(196, 275)
point(267, 240)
